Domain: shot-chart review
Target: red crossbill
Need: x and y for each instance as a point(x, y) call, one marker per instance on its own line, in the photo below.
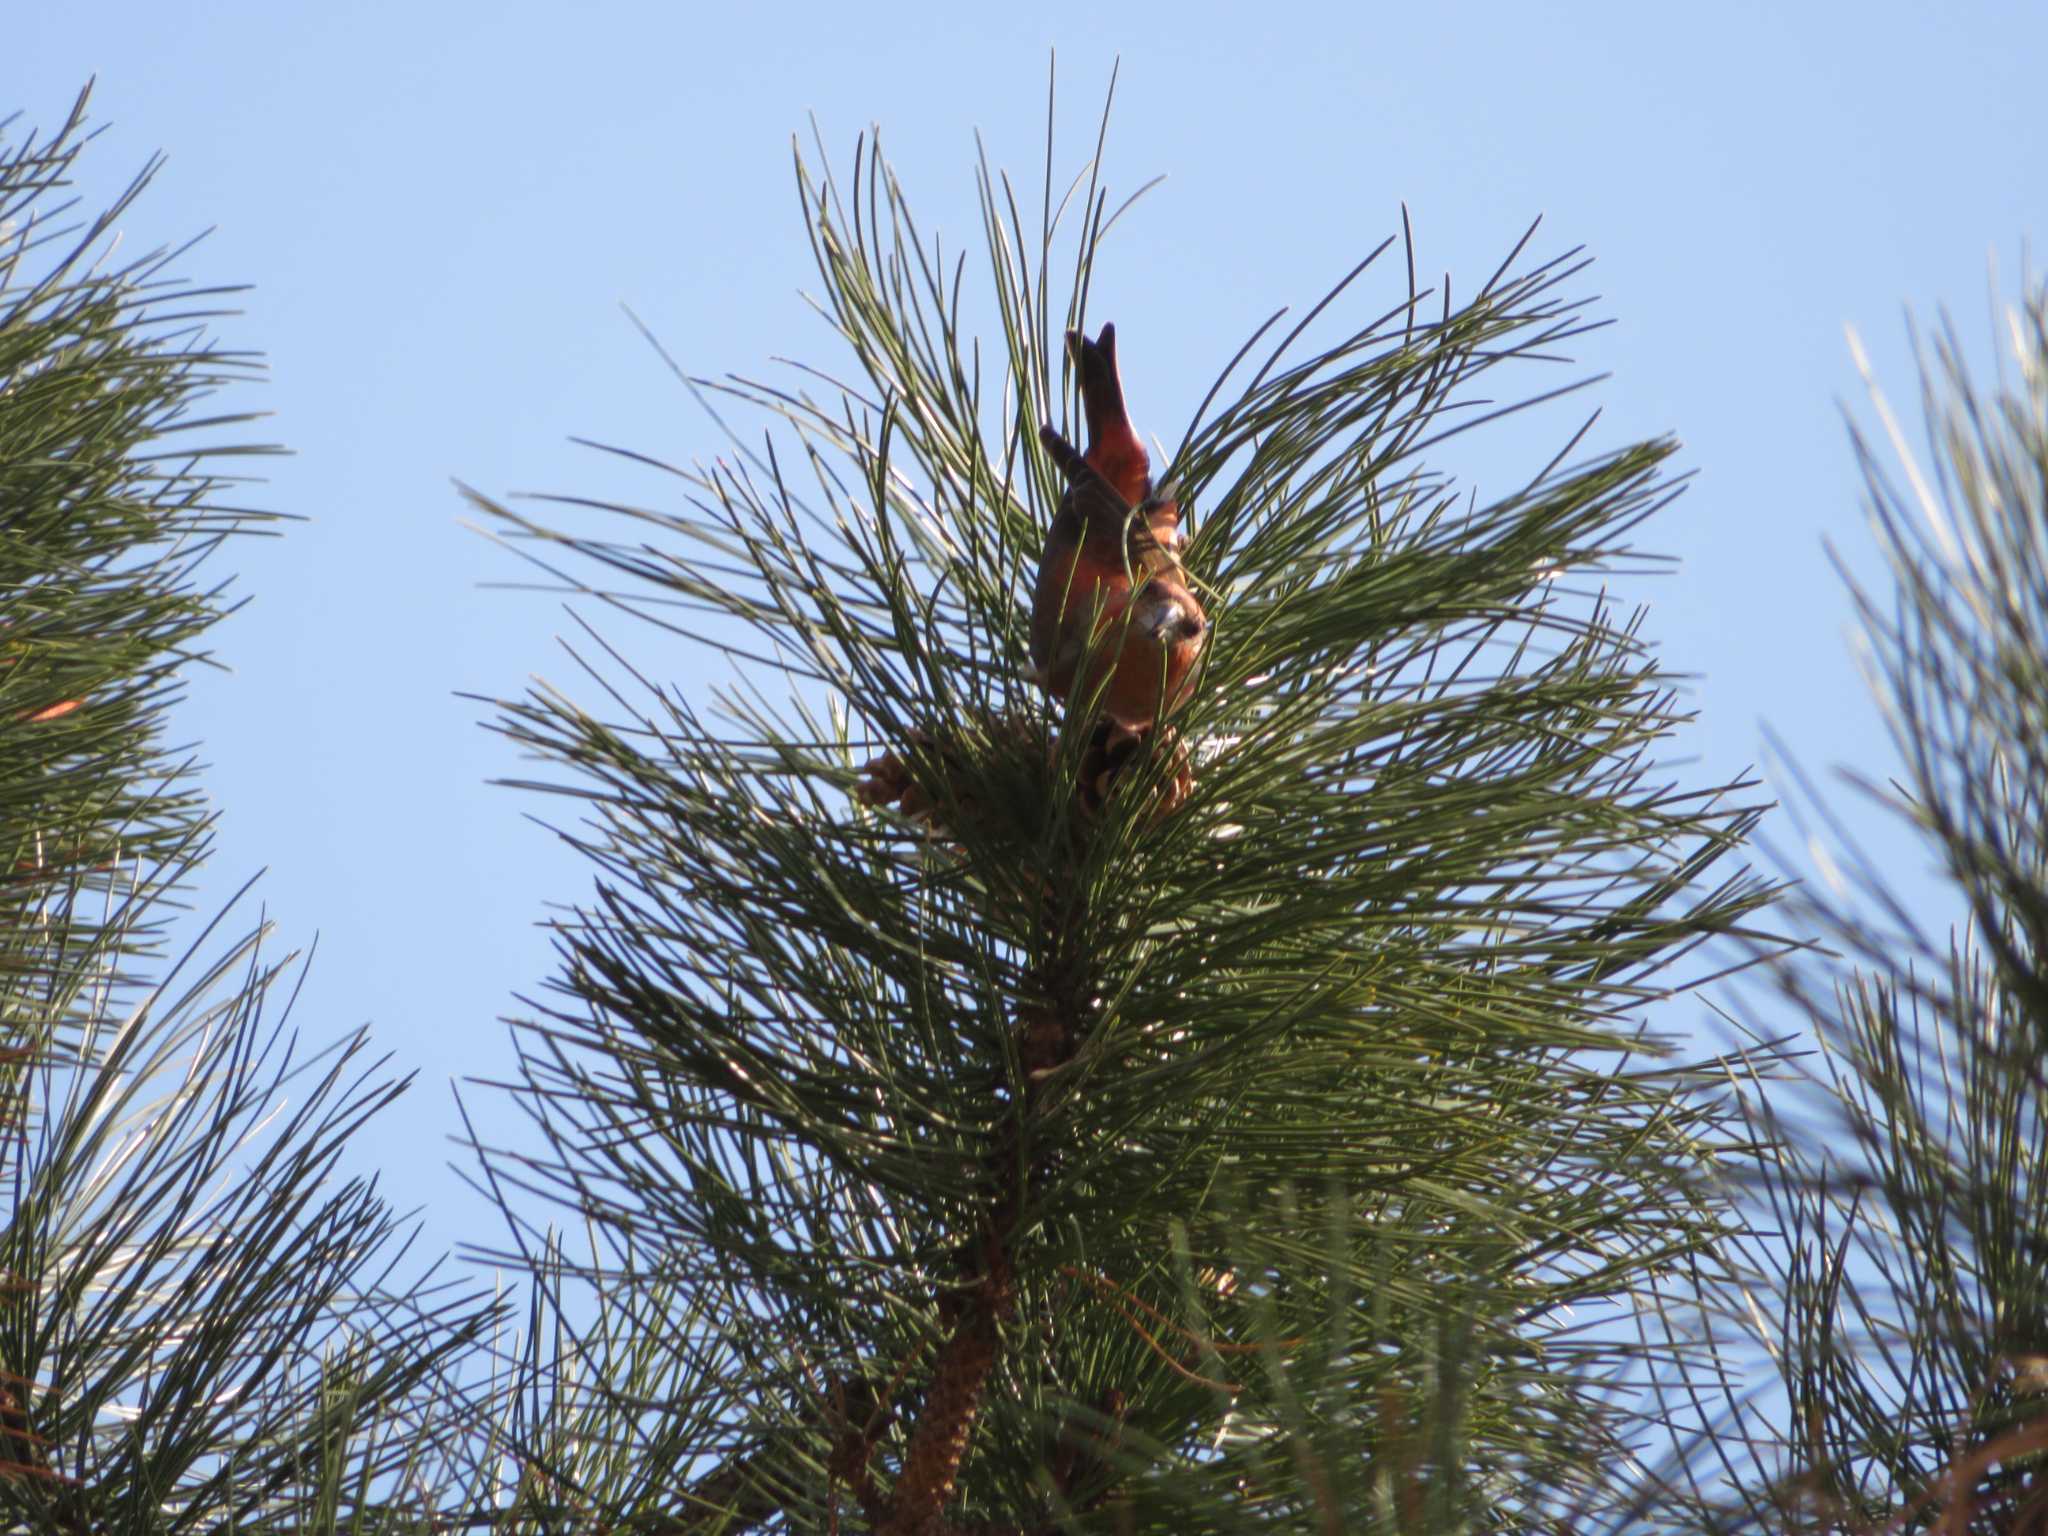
point(1111, 591)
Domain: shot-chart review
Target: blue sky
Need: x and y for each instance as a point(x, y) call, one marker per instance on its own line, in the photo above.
point(443, 207)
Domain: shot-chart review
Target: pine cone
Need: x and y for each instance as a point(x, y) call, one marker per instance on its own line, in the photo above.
point(933, 778)
point(942, 761)
point(1113, 751)
point(886, 780)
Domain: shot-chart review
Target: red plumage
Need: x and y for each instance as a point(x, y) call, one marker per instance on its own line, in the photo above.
point(1111, 592)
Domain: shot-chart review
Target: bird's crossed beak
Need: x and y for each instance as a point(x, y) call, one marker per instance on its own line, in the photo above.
point(1174, 622)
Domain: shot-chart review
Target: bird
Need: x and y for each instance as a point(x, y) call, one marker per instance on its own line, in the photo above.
point(1115, 623)
point(1114, 447)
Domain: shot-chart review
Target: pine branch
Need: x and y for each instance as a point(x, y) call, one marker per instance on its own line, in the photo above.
point(1311, 1031)
point(1907, 1166)
point(197, 1325)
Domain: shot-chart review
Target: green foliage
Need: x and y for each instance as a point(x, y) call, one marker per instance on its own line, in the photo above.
point(110, 507)
point(1907, 1247)
point(1294, 1156)
point(195, 1333)
point(1272, 1139)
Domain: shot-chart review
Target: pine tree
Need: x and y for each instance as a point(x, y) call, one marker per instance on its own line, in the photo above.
point(1900, 1271)
point(970, 1120)
point(195, 1329)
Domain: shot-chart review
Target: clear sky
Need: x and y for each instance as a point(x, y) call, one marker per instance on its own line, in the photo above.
point(443, 205)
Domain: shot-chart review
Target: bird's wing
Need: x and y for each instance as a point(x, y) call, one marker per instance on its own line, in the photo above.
point(1103, 514)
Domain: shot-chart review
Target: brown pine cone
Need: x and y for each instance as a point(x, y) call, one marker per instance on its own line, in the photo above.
point(891, 780)
point(1114, 751)
point(1110, 754)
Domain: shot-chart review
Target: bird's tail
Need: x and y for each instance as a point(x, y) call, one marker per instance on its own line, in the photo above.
point(1113, 445)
